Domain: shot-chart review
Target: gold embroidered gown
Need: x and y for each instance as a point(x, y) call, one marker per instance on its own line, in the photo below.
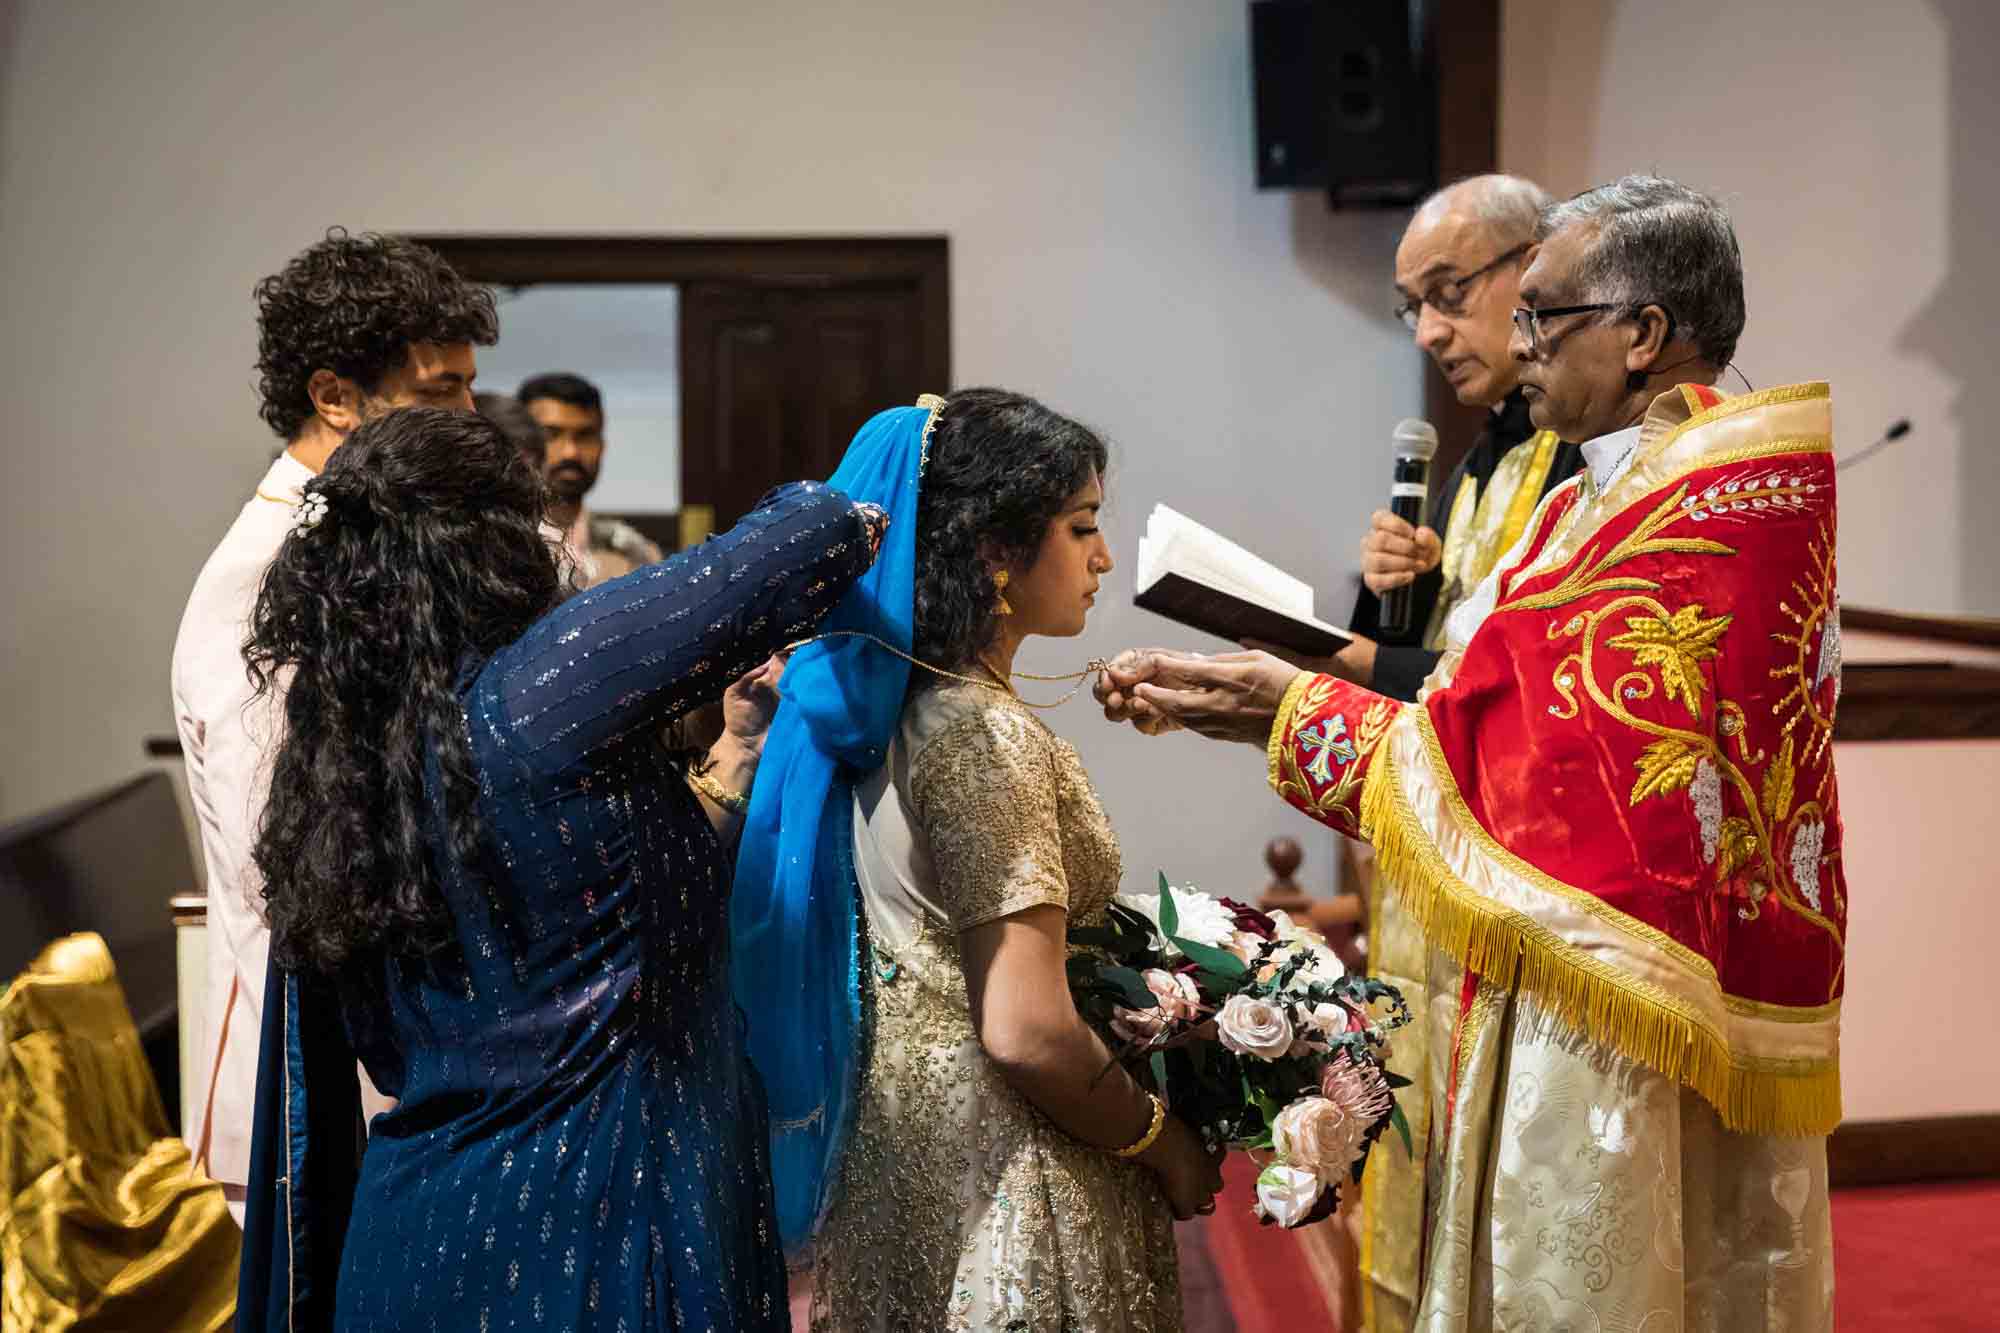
point(961, 1207)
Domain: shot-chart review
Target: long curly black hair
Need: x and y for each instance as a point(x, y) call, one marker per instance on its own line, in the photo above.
point(428, 558)
point(1002, 466)
point(353, 305)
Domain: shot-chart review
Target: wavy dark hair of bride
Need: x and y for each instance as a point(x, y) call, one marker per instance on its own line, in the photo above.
point(428, 557)
point(1002, 466)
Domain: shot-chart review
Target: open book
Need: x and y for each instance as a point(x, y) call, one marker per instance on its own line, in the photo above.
point(1189, 574)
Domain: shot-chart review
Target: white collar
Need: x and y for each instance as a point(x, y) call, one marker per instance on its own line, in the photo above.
point(1608, 455)
point(286, 477)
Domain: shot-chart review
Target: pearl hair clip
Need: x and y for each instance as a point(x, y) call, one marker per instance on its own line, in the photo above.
point(312, 509)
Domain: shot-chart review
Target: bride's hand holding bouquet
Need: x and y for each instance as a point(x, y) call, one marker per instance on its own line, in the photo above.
point(1253, 1033)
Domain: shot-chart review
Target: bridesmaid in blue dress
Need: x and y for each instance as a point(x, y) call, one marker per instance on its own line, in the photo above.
point(489, 881)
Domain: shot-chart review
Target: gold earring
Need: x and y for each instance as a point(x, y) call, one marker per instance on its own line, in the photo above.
point(1000, 592)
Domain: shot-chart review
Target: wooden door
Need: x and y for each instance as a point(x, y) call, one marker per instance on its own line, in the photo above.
point(775, 380)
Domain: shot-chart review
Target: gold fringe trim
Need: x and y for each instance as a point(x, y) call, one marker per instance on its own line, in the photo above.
point(1280, 739)
point(1794, 1098)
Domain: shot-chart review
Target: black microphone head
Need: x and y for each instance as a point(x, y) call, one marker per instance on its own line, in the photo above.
point(1415, 439)
point(1898, 430)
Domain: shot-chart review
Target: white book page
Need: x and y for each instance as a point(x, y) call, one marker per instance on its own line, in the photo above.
point(1174, 543)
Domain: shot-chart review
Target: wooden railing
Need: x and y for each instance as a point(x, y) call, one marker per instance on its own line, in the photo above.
point(1342, 918)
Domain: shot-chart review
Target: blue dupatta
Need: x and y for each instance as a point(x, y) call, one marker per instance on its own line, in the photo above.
point(794, 912)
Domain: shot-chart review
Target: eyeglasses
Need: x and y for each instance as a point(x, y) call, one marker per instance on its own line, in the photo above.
point(1528, 323)
point(1447, 296)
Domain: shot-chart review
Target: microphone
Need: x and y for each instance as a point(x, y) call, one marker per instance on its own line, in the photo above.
point(1897, 430)
point(1415, 442)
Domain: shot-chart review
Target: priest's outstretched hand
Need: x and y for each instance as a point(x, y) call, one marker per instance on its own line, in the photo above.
point(1227, 697)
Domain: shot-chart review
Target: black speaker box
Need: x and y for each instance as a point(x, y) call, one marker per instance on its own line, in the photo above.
point(1346, 98)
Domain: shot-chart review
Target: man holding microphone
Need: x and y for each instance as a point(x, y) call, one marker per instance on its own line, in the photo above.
point(1458, 279)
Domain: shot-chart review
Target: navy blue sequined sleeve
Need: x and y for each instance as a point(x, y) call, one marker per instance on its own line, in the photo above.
point(639, 651)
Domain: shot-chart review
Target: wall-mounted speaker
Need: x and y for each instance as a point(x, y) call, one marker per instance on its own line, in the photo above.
point(1346, 98)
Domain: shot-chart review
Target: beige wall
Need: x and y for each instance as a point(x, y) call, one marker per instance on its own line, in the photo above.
point(1090, 163)
point(1852, 141)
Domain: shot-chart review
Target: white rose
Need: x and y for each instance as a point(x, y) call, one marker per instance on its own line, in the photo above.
point(1324, 1021)
point(1322, 963)
point(1254, 1027)
point(1318, 1135)
point(1199, 917)
point(1286, 1194)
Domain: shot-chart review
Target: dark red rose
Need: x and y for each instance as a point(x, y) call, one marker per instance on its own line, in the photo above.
point(1249, 920)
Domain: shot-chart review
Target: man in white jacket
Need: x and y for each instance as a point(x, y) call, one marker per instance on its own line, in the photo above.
point(353, 327)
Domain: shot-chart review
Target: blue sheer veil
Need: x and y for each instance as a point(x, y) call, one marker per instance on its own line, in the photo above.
point(794, 912)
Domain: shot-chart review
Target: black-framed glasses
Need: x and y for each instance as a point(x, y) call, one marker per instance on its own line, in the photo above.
point(1447, 296)
point(1528, 323)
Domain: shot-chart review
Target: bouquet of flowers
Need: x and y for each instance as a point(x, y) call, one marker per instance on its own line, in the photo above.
point(1250, 1029)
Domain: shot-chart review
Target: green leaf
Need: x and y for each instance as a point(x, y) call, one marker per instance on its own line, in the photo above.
point(1159, 1064)
point(1221, 962)
point(1394, 1080)
point(1170, 917)
point(1131, 985)
point(1402, 1124)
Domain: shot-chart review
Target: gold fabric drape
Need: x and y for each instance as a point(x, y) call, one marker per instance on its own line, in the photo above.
point(1485, 524)
point(106, 1224)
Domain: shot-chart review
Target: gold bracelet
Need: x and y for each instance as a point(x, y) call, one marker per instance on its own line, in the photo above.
point(735, 802)
point(1152, 1130)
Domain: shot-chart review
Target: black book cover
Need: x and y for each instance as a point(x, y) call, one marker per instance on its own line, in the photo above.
point(1228, 616)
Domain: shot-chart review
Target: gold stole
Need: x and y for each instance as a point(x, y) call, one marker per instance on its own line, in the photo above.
point(1485, 527)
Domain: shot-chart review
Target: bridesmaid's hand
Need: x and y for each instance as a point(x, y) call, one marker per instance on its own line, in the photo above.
point(876, 520)
point(749, 704)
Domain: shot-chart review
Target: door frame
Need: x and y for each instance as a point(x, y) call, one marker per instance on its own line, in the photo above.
point(770, 261)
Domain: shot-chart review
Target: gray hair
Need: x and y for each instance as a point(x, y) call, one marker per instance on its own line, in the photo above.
point(1659, 242)
point(1508, 205)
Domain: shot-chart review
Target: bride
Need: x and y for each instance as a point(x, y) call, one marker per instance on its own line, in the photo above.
point(944, 1126)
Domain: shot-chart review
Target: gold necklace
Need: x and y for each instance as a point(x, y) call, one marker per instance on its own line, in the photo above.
point(277, 499)
point(999, 681)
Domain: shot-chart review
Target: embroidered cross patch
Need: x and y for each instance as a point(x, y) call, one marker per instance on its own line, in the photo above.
point(1327, 743)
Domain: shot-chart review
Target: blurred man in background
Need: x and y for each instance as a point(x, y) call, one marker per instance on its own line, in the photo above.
point(570, 411)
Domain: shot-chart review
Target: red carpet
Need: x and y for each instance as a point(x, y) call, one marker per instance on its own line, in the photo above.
point(1917, 1256)
point(1271, 1279)
point(1905, 1257)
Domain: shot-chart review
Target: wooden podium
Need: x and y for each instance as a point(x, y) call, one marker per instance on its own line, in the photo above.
point(1917, 677)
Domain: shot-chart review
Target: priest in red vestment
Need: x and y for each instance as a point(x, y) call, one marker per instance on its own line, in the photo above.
point(1612, 812)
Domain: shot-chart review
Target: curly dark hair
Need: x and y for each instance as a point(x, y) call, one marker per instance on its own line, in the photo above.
point(1001, 468)
point(353, 305)
point(428, 558)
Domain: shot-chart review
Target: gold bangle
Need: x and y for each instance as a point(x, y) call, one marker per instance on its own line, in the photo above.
point(1152, 1130)
point(735, 802)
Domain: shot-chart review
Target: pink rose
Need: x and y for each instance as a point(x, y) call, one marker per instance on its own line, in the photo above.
point(1254, 1027)
point(1179, 1002)
point(1139, 1026)
point(1180, 998)
point(1319, 1135)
